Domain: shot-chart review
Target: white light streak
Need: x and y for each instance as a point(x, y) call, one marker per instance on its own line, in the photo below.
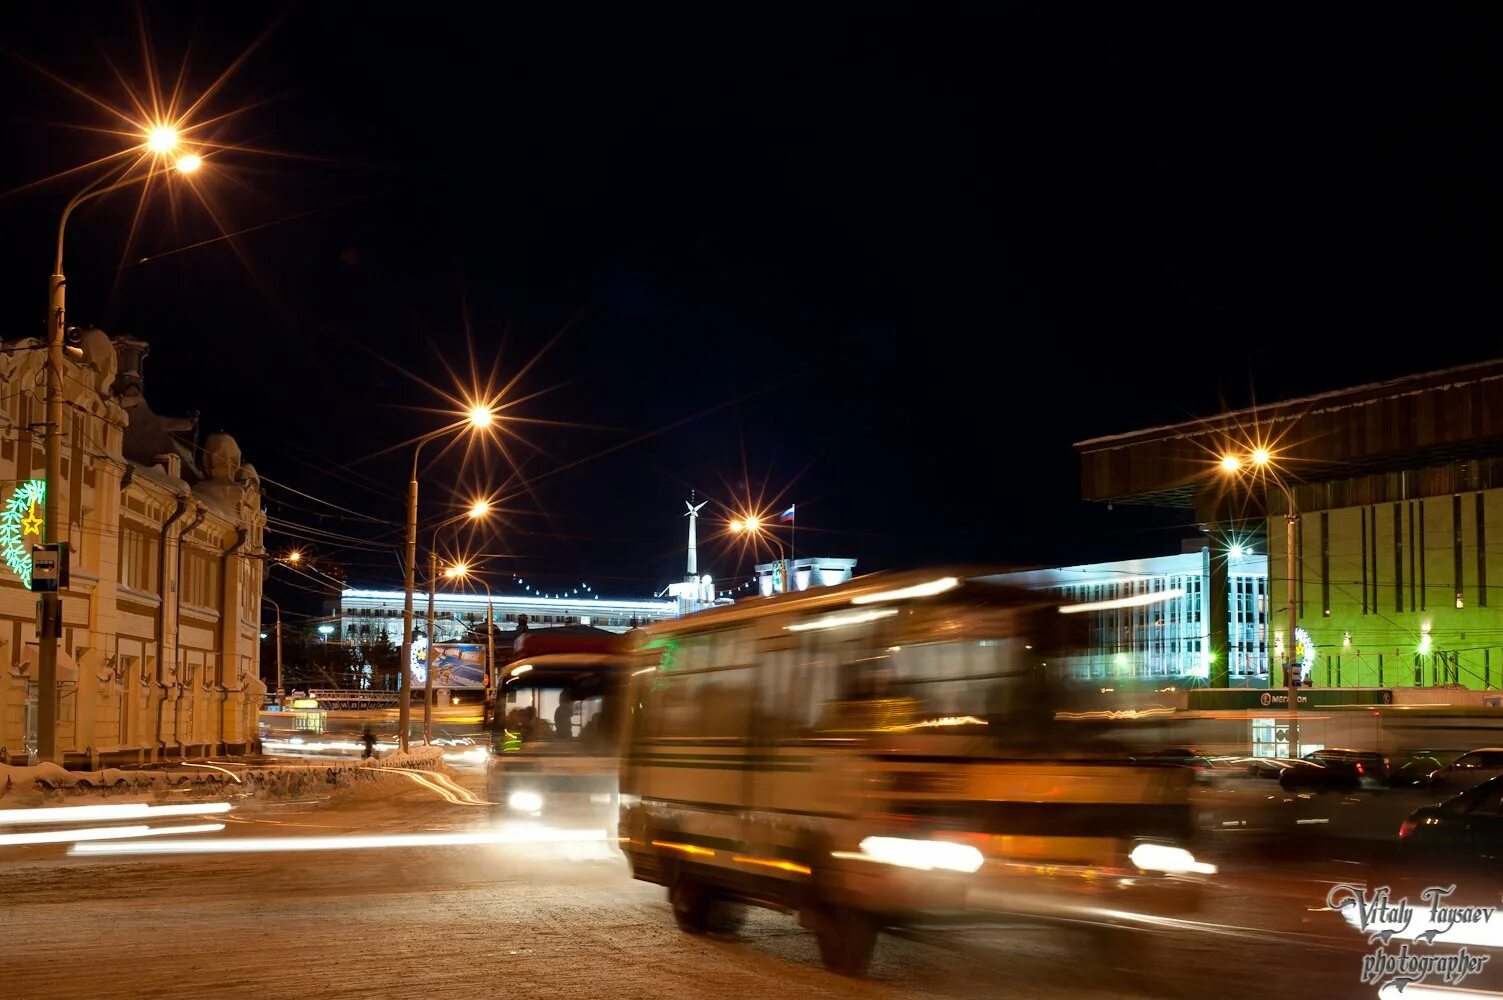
point(1162, 858)
point(103, 833)
point(841, 621)
point(903, 593)
point(924, 855)
point(270, 845)
point(1136, 601)
point(515, 671)
point(93, 814)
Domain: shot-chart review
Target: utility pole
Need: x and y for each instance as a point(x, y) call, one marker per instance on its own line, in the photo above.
point(278, 632)
point(428, 674)
point(1292, 663)
point(51, 607)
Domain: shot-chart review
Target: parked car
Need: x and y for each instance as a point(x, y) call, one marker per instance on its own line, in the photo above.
point(1469, 769)
point(1466, 829)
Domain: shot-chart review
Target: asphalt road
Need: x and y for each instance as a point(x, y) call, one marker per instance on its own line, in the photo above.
point(567, 921)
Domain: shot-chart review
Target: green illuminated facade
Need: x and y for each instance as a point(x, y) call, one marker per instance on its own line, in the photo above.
point(1401, 588)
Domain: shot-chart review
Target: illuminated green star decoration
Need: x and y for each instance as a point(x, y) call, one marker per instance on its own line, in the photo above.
point(19, 522)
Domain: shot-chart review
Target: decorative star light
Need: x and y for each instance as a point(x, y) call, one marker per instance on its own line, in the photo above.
point(18, 522)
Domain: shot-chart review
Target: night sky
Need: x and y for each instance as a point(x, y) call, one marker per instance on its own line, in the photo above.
point(886, 267)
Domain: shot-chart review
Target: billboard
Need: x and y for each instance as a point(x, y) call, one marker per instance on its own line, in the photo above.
point(455, 664)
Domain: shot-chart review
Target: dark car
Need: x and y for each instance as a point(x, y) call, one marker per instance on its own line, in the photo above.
point(1203, 764)
point(1337, 770)
point(1416, 768)
point(1466, 829)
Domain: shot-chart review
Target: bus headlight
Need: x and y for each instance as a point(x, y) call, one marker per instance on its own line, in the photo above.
point(1174, 860)
point(527, 802)
point(925, 855)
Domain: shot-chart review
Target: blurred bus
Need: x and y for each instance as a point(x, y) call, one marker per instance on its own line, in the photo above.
point(880, 753)
point(557, 738)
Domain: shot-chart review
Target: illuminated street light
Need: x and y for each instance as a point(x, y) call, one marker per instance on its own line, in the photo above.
point(295, 556)
point(162, 139)
point(1262, 462)
point(188, 164)
point(159, 139)
point(477, 417)
point(479, 509)
point(737, 527)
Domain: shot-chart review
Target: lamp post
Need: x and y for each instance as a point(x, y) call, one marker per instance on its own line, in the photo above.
point(1261, 461)
point(160, 141)
point(478, 418)
point(477, 510)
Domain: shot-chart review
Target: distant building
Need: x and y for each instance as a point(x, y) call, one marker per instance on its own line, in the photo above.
point(1398, 491)
point(1166, 637)
point(787, 575)
point(364, 614)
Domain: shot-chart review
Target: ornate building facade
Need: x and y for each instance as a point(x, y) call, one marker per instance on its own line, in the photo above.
point(160, 654)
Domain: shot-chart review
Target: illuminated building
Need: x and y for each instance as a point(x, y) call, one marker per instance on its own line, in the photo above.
point(364, 614)
point(1151, 623)
point(1397, 489)
point(775, 577)
point(160, 651)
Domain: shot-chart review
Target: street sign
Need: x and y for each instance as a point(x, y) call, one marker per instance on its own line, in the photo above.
point(50, 627)
point(49, 567)
point(1228, 699)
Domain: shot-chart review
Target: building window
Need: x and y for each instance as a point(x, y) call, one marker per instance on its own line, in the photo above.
point(138, 558)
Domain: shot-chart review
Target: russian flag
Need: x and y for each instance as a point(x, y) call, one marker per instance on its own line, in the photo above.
point(787, 515)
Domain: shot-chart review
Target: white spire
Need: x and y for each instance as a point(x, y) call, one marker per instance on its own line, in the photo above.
point(693, 516)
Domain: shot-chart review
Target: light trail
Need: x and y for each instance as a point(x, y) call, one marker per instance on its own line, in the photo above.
point(216, 767)
point(441, 784)
point(272, 845)
point(90, 814)
point(103, 833)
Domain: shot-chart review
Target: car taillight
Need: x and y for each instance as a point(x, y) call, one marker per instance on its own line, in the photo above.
point(1359, 768)
point(1407, 827)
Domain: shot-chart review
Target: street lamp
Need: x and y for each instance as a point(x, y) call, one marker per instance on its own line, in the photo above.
point(160, 141)
point(1262, 463)
point(753, 527)
point(477, 417)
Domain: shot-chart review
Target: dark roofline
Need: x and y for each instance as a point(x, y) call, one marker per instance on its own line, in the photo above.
point(1275, 412)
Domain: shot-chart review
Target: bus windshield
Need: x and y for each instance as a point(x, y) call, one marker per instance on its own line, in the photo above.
point(561, 705)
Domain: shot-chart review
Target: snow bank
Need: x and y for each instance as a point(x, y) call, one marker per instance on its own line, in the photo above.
point(291, 778)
